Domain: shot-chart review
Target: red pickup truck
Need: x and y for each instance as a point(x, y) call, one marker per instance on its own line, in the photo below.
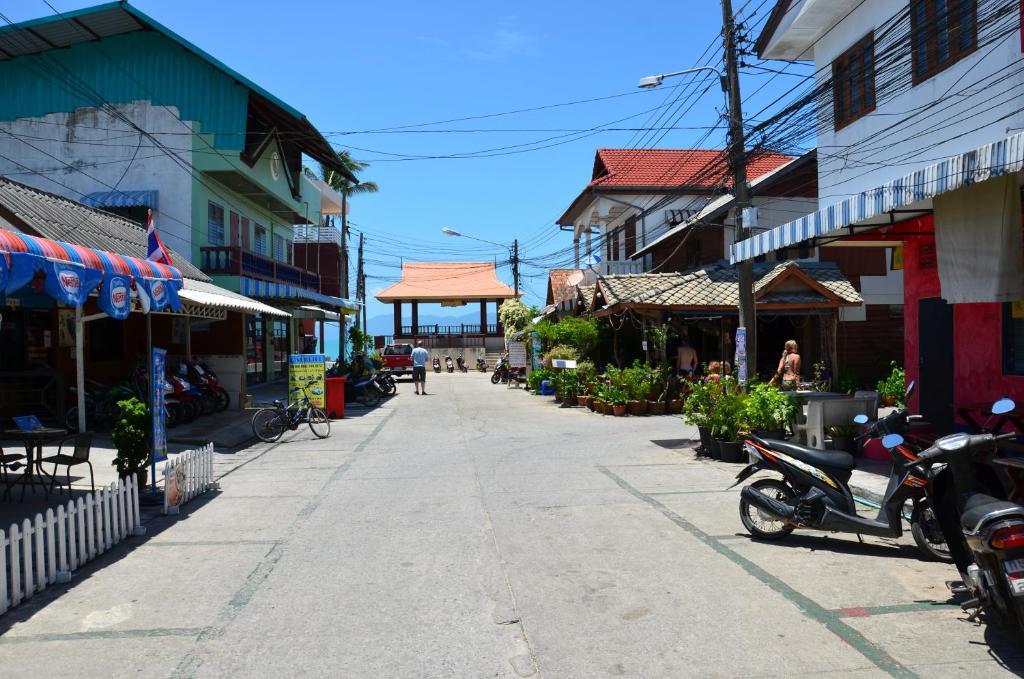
point(398, 359)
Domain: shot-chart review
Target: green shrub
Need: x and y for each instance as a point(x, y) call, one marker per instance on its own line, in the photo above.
point(560, 351)
point(894, 385)
point(514, 316)
point(538, 376)
point(766, 408)
point(131, 436)
point(567, 383)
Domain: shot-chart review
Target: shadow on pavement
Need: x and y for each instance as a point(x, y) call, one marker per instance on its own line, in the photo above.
point(841, 546)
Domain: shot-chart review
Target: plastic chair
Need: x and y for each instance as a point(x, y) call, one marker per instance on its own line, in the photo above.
point(9, 461)
point(83, 444)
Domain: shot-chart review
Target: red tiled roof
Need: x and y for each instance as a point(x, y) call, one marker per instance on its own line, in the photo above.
point(441, 281)
point(562, 284)
point(674, 167)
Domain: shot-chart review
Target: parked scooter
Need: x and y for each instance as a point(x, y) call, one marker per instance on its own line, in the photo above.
point(200, 375)
point(437, 364)
point(459, 361)
point(448, 364)
point(814, 492)
point(481, 364)
point(386, 382)
point(363, 389)
point(500, 373)
point(992, 529)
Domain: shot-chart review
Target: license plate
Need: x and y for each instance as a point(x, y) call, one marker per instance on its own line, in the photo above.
point(1014, 566)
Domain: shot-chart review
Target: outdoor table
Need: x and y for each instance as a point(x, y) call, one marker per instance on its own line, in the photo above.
point(983, 411)
point(34, 440)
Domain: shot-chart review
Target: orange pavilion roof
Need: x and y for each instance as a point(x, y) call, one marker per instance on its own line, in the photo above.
point(447, 281)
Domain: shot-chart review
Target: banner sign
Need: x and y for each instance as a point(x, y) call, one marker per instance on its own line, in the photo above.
point(115, 297)
point(741, 355)
point(534, 351)
point(68, 283)
point(306, 369)
point(5, 270)
point(517, 354)
point(157, 406)
point(156, 294)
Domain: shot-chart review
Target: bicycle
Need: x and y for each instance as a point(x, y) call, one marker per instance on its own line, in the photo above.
point(269, 424)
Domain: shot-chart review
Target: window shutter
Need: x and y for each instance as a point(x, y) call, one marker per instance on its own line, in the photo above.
point(245, 233)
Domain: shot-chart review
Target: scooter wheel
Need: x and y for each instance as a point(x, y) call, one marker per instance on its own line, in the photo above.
point(495, 378)
point(927, 533)
point(370, 396)
point(760, 524)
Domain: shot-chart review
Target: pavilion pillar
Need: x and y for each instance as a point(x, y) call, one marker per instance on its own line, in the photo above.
point(497, 316)
point(398, 317)
point(483, 317)
point(415, 317)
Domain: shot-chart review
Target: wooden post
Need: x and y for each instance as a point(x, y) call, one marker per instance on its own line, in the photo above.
point(415, 317)
point(483, 317)
point(398, 317)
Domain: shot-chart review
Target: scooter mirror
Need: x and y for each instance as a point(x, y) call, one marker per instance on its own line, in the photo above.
point(892, 440)
point(860, 419)
point(910, 388)
point(1003, 406)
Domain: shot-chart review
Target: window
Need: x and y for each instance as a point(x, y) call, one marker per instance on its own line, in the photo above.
point(630, 238)
point(261, 240)
point(942, 32)
point(853, 82)
point(1013, 338)
point(280, 248)
point(215, 224)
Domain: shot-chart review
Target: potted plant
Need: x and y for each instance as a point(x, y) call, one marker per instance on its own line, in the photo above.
point(569, 386)
point(844, 437)
point(891, 390)
point(618, 397)
point(726, 421)
point(131, 439)
point(767, 411)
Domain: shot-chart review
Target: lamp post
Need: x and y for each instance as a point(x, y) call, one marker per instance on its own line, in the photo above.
point(513, 251)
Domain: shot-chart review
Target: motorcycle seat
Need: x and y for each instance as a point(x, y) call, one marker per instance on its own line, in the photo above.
point(979, 505)
point(812, 456)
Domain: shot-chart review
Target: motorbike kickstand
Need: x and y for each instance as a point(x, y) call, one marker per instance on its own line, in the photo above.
point(861, 538)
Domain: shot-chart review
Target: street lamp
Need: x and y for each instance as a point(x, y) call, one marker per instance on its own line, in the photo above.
point(513, 251)
point(652, 81)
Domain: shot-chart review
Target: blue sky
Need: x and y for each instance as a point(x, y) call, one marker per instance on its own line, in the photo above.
point(361, 66)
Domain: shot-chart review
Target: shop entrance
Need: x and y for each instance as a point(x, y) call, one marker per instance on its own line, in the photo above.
point(935, 356)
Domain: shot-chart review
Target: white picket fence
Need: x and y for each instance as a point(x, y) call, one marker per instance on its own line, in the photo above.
point(186, 476)
point(39, 553)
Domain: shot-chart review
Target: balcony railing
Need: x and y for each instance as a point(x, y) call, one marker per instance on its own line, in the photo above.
point(462, 329)
point(234, 261)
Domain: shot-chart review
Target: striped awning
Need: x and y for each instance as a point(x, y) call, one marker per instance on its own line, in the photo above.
point(984, 162)
point(145, 198)
point(251, 287)
point(72, 272)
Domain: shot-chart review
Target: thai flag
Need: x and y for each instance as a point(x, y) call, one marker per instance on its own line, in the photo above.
point(156, 251)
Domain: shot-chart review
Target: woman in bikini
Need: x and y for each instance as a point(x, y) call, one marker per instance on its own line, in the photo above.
point(788, 374)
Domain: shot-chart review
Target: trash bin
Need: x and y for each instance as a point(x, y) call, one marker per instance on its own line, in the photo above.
point(336, 397)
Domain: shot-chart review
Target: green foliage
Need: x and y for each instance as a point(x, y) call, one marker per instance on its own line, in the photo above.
point(586, 371)
point(362, 343)
point(574, 331)
point(614, 394)
point(514, 316)
point(766, 408)
point(131, 436)
point(658, 336)
point(893, 386)
point(699, 403)
point(638, 380)
point(846, 382)
point(719, 406)
point(567, 383)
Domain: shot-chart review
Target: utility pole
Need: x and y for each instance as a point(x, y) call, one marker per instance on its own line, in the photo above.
point(515, 264)
point(361, 285)
point(741, 192)
point(343, 282)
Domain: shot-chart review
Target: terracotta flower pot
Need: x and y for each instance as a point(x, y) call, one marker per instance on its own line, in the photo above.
point(888, 401)
point(582, 400)
point(675, 406)
point(599, 406)
point(656, 407)
point(592, 403)
point(619, 409)
point(638, 407)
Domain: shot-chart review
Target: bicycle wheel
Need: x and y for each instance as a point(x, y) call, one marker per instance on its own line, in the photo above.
point(268, 424)
point(319, 423)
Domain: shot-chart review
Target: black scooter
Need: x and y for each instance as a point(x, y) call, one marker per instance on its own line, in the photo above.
point(437, 364)
point(461, 363)
point(448, 364)
point(993, 529)
point(814, 491)
point(481, 364)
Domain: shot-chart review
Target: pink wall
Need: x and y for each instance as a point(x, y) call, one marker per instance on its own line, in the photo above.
point(977, 333)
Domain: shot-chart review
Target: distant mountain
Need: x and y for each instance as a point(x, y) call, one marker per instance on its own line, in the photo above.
point(384, 324)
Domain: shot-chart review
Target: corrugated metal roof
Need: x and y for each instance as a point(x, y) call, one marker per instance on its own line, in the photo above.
point(52, 216)
point(209, 294)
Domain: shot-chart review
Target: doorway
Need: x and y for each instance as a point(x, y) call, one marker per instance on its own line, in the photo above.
point(935, 362)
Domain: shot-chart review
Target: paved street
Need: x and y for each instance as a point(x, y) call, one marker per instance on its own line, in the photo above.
point(482, 532)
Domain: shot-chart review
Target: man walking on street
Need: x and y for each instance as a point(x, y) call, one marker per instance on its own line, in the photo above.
point(419, 368)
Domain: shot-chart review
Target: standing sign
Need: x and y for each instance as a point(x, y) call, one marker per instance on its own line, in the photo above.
point(741, 355)
point(306, 369)
point(534, 351)
point(517, 354)
point(156, 406)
